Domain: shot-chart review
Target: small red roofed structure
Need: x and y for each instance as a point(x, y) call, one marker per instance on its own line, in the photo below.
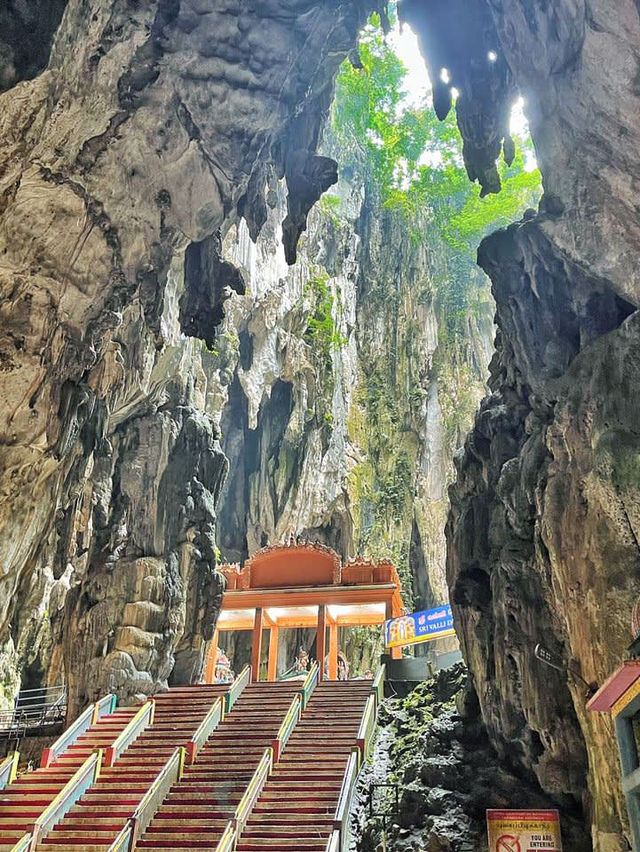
point(304, 585)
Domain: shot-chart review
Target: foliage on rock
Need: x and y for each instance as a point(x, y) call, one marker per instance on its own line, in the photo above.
point(448, 774)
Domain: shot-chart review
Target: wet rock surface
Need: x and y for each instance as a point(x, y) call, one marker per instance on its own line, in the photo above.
point(434, 748)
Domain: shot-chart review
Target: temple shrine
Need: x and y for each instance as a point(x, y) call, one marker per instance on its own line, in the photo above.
point(304, 585)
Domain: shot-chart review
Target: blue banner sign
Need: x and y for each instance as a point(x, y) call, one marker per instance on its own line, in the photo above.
point(419, 627)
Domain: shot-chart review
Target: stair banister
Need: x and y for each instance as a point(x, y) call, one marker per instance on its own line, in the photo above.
point(142, 719)
point(75, 787)
point(235, 691)
point(341, 816)
point(367, 727)
point(82, 724)
point(205, 729)
point(23, 844)
point(254, 788)
point(377, 687)
point(124, 840)
point(309, 684)
point(333, 843)
point(9, 769)
point(286, 728)
point(104, 707)
point(170, 773)
point(227, 842)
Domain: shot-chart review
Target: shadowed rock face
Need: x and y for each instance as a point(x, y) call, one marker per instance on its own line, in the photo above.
point(543, 532)
point(26, 32)
point(436, 748)
point(150, 127)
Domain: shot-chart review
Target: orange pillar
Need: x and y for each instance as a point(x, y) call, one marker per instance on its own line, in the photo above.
point(272, 671)
point(333, 650)
point(256, 647)
point(212, 656)
point(396, 653)
point(321, 639)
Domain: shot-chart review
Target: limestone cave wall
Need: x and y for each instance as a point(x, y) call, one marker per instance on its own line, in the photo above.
point(150, 130)
point(543, 533)
point(127, 158)
point(341, 407)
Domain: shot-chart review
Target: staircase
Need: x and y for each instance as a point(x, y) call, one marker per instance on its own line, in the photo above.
point(302, 806)
point(296, 809)
point(95, 820)
point(199, 807)
point(23, 801)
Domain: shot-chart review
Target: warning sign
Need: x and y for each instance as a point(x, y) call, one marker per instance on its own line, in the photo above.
point(524, 831)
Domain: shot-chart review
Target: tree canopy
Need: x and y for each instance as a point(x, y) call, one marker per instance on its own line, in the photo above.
point(412, 159)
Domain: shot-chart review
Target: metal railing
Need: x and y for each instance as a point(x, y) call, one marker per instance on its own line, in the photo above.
point(77, 785)
point(333, 843)
point(82, 724)
point(155, 795)
point(367, 727)
point(227, 842)
point(104, 707)
point(286, 728)
point(341, 816)
point(309, 684)
point(377, 686)
point(9, 769)
point(35, 708)
point(23, 844)
point(142, 719)
point(237, 687)
point(205, 729)
point(389, 812)
point(252, 793)
point(124, 840)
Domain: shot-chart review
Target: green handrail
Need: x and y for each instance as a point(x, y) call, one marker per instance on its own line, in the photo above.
point(23, 844)
point(254, 788)
point(227, 842)
point(9, 769)
point(170, 773)
point(205, 729)
point(104, 707)
point(243, 679)
point(75, 787)
point(142, 719)
point(124, 840)
point(286, 728)
point(341, 816)
point(333, 843)
point(367, 727)
point(82, 724)
point(377, 686)
point(309, 684)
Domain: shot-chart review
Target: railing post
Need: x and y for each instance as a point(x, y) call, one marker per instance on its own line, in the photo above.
point(9, 769)
point(309, 684)
point(237, 688)
point(142, 719)
point(77, 785)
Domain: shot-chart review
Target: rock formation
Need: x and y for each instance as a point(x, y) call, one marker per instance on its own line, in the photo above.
point(134, 140)
point(433, 745)
point(151, 127)
point(543, 535)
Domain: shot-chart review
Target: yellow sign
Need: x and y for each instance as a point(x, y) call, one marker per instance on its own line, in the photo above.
point(626, 698)
point(419, 627)
point(524, 831)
